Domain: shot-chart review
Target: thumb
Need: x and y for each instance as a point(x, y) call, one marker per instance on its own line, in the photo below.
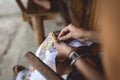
point(55, 43)
point(65, 37)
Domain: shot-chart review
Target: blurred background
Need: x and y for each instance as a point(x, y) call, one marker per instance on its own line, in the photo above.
point(16, 37)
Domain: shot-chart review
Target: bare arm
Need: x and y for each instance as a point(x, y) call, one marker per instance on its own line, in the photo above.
point(74, 32)
point(88, 69)
point(90, 36)
point(83, 64)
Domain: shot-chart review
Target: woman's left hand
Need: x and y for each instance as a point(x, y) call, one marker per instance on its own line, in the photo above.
point(63, 50)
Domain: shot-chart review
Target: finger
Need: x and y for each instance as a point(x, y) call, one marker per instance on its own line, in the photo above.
point(67, 36)
point(63, 32)
point(55, 43)
point(66, 30)
point(82, 40)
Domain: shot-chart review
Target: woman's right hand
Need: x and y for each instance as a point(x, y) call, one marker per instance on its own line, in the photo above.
point(71, 32)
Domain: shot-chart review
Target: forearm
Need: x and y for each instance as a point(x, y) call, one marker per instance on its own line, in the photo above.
point(89, 36)
point(93, 36)
point(88, 69)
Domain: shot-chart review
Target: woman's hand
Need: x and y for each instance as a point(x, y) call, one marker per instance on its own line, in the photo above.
point(63, 50)
point(72, 32)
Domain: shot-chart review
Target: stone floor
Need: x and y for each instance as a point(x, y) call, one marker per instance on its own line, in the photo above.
point(16, 37)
